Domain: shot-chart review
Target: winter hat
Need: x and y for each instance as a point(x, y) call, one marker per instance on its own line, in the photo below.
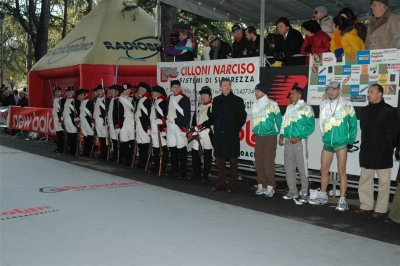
point(262, 87)
point(235, 28)
point(385, 2)
point(321, 9)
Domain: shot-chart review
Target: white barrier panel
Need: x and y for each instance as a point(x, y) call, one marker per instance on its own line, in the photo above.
point(4, 111)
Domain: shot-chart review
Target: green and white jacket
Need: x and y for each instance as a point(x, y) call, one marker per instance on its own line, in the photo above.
point(267, 118)
point(298, 121)
point(338, 122)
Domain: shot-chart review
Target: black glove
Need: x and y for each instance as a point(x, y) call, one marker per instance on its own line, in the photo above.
point(280, 56)
point(396, 154)
point(308, 48)
point(349, 146)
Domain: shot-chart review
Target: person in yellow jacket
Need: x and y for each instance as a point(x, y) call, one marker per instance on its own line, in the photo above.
point(345, 39)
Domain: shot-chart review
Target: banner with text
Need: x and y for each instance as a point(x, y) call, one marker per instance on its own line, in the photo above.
point(244, 74)
point(32, 119)
point(355, 72)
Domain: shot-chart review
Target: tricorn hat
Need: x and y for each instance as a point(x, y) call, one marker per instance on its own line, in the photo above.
point(70, 88)
point(81, 91)
point(159, 89)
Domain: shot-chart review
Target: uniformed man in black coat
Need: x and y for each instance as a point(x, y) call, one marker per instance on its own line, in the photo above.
point(70, 114)
point(203, 134)
point(142, 120)
point(86, 119)
point(229, 116)
point(158, 120)
point(178, 122)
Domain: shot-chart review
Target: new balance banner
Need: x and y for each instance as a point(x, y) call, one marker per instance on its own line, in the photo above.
point(32, 119)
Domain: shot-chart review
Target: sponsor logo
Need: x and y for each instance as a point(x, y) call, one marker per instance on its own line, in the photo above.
point(20, 213)
point(346, 79)
point(282, 85)
point(89, 187)
point(75, 46)
point(142, 48)
point(327, 59)
point(247, 135)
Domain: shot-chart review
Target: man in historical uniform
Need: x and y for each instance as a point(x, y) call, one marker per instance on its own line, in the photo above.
point(112, 93)
point(99, 116)
point(86, 119)
point(158, 117)
point(142, 120)
point(70, 113)
point(178, 121)
point(124, 120)
point(57, 117)
point(203, 134)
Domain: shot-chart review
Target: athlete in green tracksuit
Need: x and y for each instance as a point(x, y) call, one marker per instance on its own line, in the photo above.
point(267, 120)
point(298, 124)
point(338, 123)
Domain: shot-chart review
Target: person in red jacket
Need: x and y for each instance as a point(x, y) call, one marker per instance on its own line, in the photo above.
point(316, 40)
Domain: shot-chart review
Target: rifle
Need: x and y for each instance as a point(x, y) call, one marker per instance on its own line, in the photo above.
point(161, 168)
point(65, 137)
point(118, 139)
point(197, 137)
point(78, 140)
point(91, 156)
point(135, 141)
point(147, 168)
point(108, 138)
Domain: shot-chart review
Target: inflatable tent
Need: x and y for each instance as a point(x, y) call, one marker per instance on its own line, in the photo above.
point(107, 43)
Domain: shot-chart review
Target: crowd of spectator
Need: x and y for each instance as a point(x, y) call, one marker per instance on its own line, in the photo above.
point(341, 34)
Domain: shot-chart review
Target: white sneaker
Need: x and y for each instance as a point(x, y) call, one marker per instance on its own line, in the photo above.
point(337, 193)
point(260, 190)
point(270, 191)
point(342, 206)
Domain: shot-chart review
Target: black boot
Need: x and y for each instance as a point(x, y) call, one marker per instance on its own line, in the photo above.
point(165, 158)
point(60, 142)
point(207, 165)
point(183, 153)
point(115, 150)
point(145, 156)
point(196, 164)
point(123, 153)
point(174, 162)
point(156, 157)
point(103, 148)
point(87, 146)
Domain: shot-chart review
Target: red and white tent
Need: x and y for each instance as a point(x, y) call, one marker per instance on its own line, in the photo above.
point(90, 53)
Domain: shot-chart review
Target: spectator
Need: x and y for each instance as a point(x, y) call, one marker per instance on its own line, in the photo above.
point(345, 39)
point(321, 16)
point(219, 49)
point(253, 43)
point(382, 28)
point(267, 120)
point(23, 101)
point(361, 29)
point(239, 43)
point(229, 115)
point(394, 214)
point(298, 124)
point(2, 97)
point(288, 44)
point(316, 40)
point(338, 123)
point(270, 46)
point(8, 98)
point(380, 128)
point(16, 97)
point(183, 51)
point(206, 49)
